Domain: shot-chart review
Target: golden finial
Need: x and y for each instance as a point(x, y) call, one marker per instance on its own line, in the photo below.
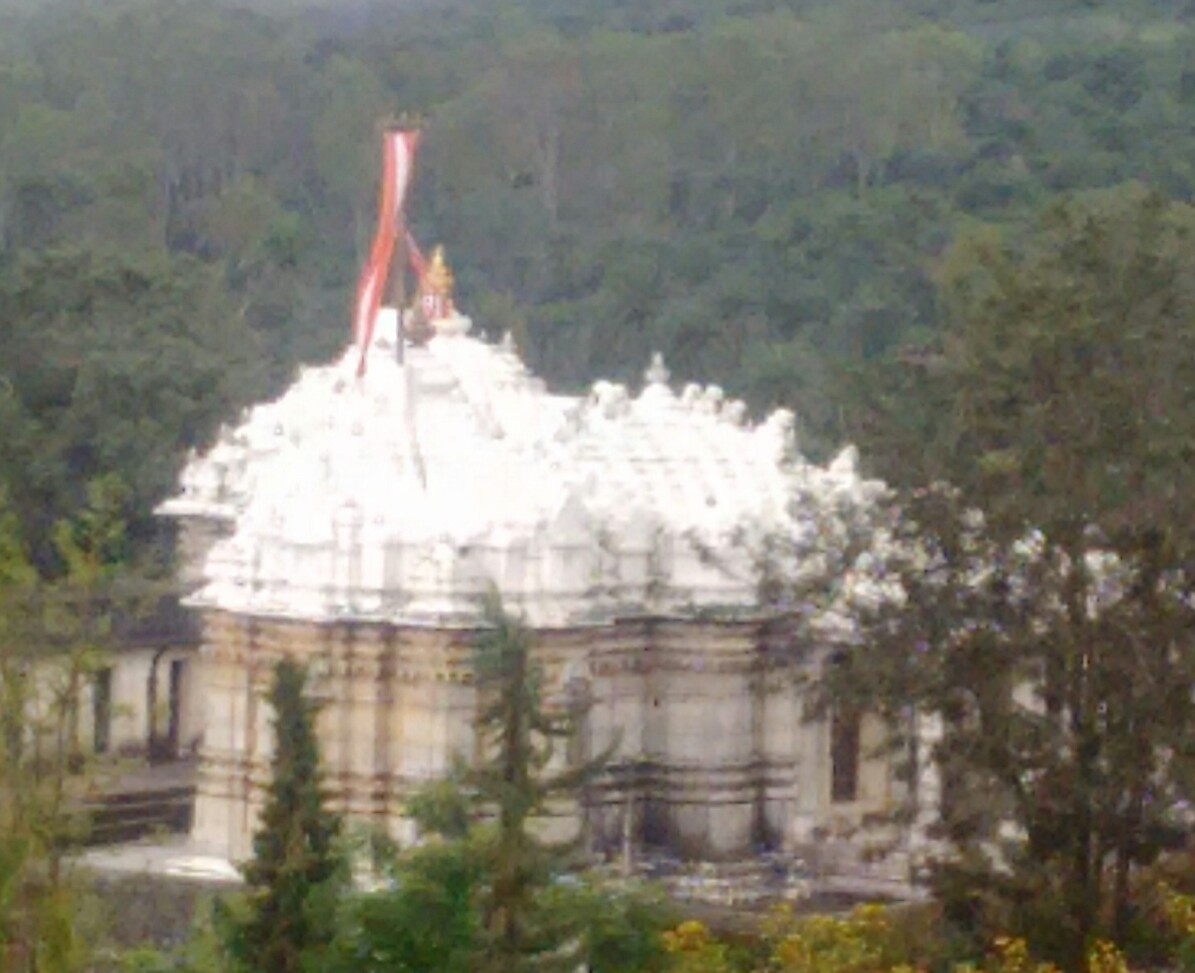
point(439, 279)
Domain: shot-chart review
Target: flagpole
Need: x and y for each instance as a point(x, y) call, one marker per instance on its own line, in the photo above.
point(398, 266)
point(399, 142)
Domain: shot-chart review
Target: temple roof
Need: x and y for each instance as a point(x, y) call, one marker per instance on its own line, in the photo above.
point(407, 493)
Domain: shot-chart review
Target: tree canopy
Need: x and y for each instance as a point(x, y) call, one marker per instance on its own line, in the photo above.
point(922, 223)
point(285, 923)
point(759, 189)
point(1046, 615)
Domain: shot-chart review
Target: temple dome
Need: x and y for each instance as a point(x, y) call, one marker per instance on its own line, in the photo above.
point(407, 493)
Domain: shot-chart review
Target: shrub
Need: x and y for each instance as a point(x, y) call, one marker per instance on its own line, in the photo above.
point(692, 948)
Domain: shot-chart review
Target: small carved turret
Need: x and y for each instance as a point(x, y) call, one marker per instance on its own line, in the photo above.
point(657, 373)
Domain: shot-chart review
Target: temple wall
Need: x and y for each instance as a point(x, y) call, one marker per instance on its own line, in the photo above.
point(128, 726)
point(711, 758)
point(113, 709)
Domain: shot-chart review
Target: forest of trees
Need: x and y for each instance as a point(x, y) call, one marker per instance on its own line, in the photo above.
point(958, 232)
point(760, 190)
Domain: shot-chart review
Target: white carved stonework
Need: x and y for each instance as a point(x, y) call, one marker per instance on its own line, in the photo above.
point(363, 520)
point(403, 494)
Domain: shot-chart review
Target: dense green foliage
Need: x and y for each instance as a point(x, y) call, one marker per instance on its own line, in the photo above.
point(488, 891)
point(53, 639)
point(1051, 638)
point(285, 924)
point(524, 775)
point(761, 190)
point(426, 921)
point(833, 206)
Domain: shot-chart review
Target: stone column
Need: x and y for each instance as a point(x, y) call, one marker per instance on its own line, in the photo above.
point(706, 674)
point(925, 792)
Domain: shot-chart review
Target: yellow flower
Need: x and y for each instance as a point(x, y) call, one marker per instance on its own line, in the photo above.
point(1104, 957)
point(688, 937)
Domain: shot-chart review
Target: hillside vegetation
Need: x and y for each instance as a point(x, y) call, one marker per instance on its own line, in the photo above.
point(759, 189)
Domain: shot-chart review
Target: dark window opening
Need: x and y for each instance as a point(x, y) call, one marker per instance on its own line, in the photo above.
point(101, 703)
point(844, 754)
point(177, 667)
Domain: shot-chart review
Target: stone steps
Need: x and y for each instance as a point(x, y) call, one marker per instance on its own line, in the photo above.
point(130, 815)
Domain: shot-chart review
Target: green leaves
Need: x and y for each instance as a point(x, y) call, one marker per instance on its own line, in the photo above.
point(1048, 617)
point(286, 923)
point(113, 365)
point(756, 189)
point(1066, 354)
point(425, 922)
point(485, 890)
point(15, 569)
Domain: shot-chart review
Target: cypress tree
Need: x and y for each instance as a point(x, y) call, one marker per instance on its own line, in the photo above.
point(485, 894)
point(523, 769)
point(295, 868)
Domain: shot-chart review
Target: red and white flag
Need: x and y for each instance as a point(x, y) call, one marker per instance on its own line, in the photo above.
point(398, 162)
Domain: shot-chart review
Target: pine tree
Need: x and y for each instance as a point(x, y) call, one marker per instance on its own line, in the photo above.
point(488, 892)
point(522, 770)
point(295, 869)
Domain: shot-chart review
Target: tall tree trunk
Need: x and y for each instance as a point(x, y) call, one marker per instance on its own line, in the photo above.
point(1085, 868)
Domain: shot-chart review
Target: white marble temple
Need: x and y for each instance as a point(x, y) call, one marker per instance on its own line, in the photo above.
point(689, 568)
point(403, 494)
